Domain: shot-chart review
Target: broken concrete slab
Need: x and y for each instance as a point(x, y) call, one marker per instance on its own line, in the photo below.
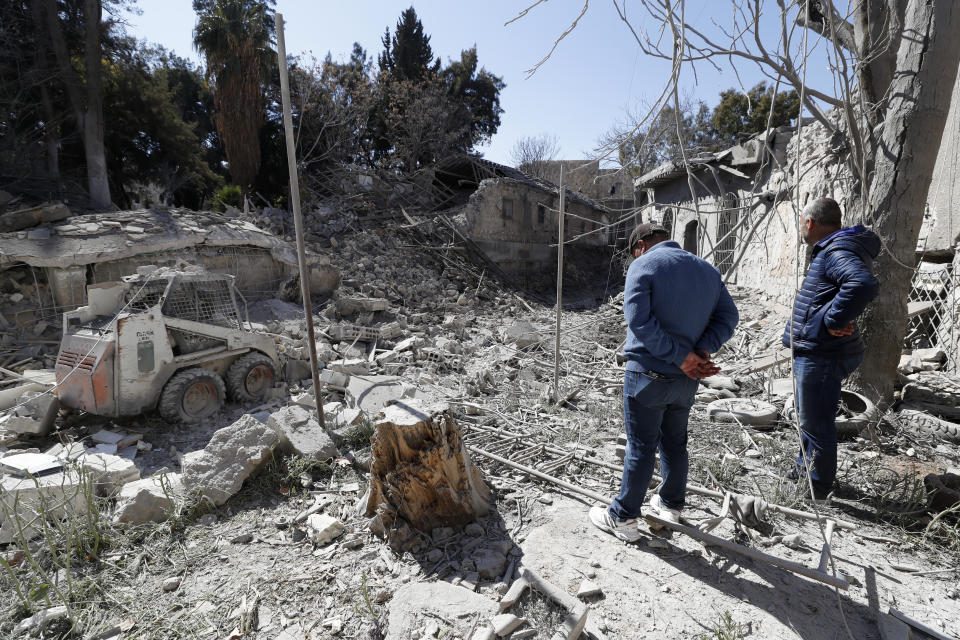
point(35, 416)
point(109, 473)
point(33, 216)
point(30, 500)
point(506, 623)
point(233, 454)
point(24, 465)
point(412, 601)
point(372, 393)
point(119, 438)
point(151, 499)
point(11, 397)
point(721, 382)
point(348, 306)
point(300, 433)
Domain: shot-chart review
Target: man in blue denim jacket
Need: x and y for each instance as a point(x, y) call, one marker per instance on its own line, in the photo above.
point(678, 312)
point(821, 332)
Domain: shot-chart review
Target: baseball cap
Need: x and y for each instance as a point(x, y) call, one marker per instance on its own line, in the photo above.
point(646, 230)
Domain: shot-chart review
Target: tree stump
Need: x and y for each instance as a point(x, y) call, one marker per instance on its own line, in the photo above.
point(421, 475)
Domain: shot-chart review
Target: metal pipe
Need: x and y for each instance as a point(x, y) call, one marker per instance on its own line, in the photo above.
point(298, 218)
point(560, 243)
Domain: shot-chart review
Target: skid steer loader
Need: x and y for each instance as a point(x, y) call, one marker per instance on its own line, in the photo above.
point(170, 339)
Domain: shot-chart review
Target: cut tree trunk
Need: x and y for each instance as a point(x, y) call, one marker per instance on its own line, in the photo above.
point(919, 100)
point(421, 475)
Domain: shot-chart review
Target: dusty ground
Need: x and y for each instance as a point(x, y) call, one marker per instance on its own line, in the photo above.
point(244, 570)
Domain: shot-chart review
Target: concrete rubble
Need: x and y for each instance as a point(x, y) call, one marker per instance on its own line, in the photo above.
point(34, 416)
point(151, 499)
point(233, 454)
point(397, 335)
point(46, 490)
point(299, 433)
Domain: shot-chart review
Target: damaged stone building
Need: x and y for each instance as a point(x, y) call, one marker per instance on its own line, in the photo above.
point(513, 218)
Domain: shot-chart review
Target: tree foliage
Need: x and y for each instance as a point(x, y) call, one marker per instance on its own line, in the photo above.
point(645, 145)
point(158, 110)
point(408, 55)
point(422, 111)
point(235, 37)
point(740, 114)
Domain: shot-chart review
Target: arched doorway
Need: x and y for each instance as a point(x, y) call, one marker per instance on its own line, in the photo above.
point(690, 236)
point(726, 236)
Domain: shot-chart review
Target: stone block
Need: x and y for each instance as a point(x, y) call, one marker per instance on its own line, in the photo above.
point(323, 528)
point(233, 454)
point(36, 416)
point(300, 433)
point(30, 500)
point(148, 500)
point(490, 563)
point(109, 473)
point(334, 379)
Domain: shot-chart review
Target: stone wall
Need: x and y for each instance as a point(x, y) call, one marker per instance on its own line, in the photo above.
point(515, 224)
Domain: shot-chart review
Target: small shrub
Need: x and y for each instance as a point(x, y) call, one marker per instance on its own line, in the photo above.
point(228, 195)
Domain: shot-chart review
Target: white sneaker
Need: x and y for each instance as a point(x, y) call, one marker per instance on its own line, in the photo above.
point(626, 530)
point(663, 512)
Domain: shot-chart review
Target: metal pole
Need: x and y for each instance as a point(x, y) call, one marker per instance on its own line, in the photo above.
point(556, 350)
point(298, 218)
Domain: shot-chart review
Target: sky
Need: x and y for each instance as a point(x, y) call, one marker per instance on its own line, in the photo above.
point(593, 78)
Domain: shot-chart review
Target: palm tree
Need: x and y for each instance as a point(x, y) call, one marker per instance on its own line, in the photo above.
point(235, 37)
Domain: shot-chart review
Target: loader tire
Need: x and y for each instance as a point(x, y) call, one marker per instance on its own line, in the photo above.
point(854, 413)
point(924, 424)
point(192, 395)
point(935, 392)
point(250, 378)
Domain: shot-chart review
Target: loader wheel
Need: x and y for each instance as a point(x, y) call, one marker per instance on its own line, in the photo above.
point(250, 378)
point(192, 395)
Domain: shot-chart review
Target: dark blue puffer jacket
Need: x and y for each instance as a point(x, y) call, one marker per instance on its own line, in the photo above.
point(839, 285)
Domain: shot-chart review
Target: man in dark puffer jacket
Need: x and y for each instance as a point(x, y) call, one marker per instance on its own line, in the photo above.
point(826, 343)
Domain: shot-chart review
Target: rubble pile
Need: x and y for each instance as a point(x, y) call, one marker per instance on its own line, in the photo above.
point(260, 522)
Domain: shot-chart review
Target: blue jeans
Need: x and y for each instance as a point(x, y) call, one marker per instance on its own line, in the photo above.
point(818, 381)
point(655, 413)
